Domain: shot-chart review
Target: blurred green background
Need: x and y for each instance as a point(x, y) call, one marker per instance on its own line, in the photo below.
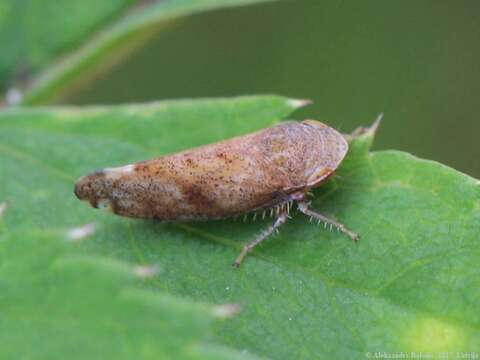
point(416, 61)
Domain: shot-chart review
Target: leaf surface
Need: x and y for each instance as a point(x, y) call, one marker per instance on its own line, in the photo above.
point(411, 283)
point(58, 304)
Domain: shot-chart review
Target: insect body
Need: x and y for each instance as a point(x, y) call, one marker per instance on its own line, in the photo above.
point(266, 170)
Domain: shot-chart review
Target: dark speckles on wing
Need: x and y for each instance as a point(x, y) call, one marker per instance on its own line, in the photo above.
point(223, 179)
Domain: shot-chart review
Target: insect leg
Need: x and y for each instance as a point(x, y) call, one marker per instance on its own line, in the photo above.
point(304, 207)
point(282, 217)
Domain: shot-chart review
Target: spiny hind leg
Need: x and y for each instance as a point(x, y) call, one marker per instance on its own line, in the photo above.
point(304, 207)
point(281, 219)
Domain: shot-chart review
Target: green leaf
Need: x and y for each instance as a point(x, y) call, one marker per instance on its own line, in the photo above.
point(411, 283)
point(56, 304)
point(35, 34)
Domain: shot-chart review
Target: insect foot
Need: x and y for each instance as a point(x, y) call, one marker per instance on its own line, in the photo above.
point(281, 219)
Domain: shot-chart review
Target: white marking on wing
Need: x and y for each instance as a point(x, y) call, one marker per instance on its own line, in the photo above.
point(116, 172)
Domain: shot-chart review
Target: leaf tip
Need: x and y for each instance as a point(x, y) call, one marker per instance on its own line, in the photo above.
point(13, 96)
point(81, 232)
point(226, 311)
point(362, 137)
point(376, 124)
point(146, 271)
point(3, 208)
point(369, 131)
point(299, 103)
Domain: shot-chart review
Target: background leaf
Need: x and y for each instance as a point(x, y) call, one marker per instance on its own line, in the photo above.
point(33, 33)
point(84, 33)
point(410, 284)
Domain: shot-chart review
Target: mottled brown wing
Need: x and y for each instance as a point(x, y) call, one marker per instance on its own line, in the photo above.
point(227, 178)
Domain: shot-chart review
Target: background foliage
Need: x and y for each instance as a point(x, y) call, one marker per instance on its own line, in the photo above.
point(37, 33)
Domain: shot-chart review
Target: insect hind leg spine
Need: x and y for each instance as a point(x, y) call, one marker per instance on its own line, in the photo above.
point(304, 207)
